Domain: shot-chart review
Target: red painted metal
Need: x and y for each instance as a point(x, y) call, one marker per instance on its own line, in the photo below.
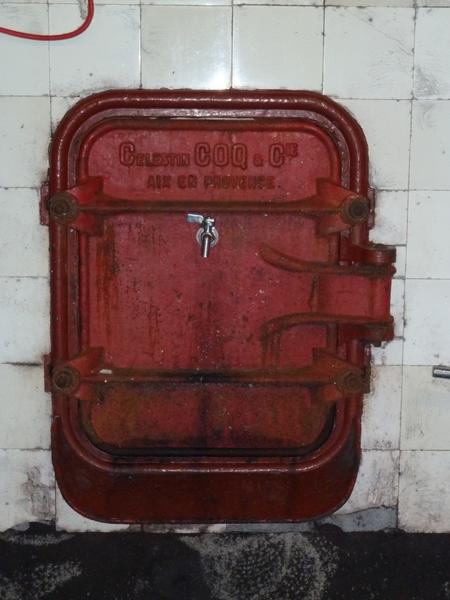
point(225, 389)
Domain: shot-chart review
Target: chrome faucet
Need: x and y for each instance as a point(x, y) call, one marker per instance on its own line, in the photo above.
point(207, 235)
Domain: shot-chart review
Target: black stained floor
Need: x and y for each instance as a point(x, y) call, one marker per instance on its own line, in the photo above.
point(327, 564)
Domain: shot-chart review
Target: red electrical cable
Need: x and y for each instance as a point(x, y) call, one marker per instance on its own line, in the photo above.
point(58, 36)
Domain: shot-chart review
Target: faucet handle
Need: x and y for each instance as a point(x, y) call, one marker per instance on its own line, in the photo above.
point(207, 235)
point(194, 218)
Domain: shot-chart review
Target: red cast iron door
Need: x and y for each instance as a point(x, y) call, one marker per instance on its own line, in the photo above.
point(214, 295)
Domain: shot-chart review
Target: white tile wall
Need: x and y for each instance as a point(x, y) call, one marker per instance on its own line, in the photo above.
point(24, 319)
point(382, 407)
point(67, 519)
point(23, 243)
point(424, 495)
point(430, 145)
point(428, 244)
point(386, 124)
point(427, 336)
point(106, 56)
point(25, 408)
point(278, 2)
point(177, 55)
point(426, 410)
point(189, 2)
point(377, 482)
point(27, 73)
point(391, 218)
point(398, 305)
point(59, 105)
point(24, 139)
point(387, 63)
point(400, 261)
point(389, 353)
point(269, 41)
point(375, 3)
point(373, 47)
point(26, 487)
point(431, 72)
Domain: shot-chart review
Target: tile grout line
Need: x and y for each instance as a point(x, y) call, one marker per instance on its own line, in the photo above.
point(140, 45)
point(49, 67)
point(333, 97)
point(323, 47)
point(232, 46)
point(406, 262)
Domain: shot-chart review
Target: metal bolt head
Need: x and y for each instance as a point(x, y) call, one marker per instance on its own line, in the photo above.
point(66, 380)
point(350, 381)
point(62, 208)
point(356, 210)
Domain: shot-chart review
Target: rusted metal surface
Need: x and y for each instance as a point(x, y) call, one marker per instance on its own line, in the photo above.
point(218, 389)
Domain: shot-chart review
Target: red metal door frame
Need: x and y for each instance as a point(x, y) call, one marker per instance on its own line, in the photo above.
point(129, 488)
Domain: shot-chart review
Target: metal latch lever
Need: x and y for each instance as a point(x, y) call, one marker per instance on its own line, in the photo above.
point(207, 235)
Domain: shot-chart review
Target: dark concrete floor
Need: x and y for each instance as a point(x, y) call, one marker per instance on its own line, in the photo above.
point(324, 564)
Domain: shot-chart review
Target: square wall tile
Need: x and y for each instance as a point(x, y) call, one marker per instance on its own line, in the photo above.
point(389, 353)
point(25, 408)
point(24, 63)
point(59, 105)
point(189, 2)
point(186, 47)
point(368, 52)
point(424, 495)
point(400, 262)
point(425, 410)
point(398, 305)
point(67, 519)
point(391, 210)
point(433, 3)
point(24, 319)
point(377, 3)
point(430, 145)
point(432, 53)
point(24, 140)
point(428, 233)
point(26, 487)
point(427, 335)
point(381, 415)
point(23, 241)
point(107, 55)
point(386, 124)
point(279, 2)
point(83, 6)
point(277, 47)
point(377, 482)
